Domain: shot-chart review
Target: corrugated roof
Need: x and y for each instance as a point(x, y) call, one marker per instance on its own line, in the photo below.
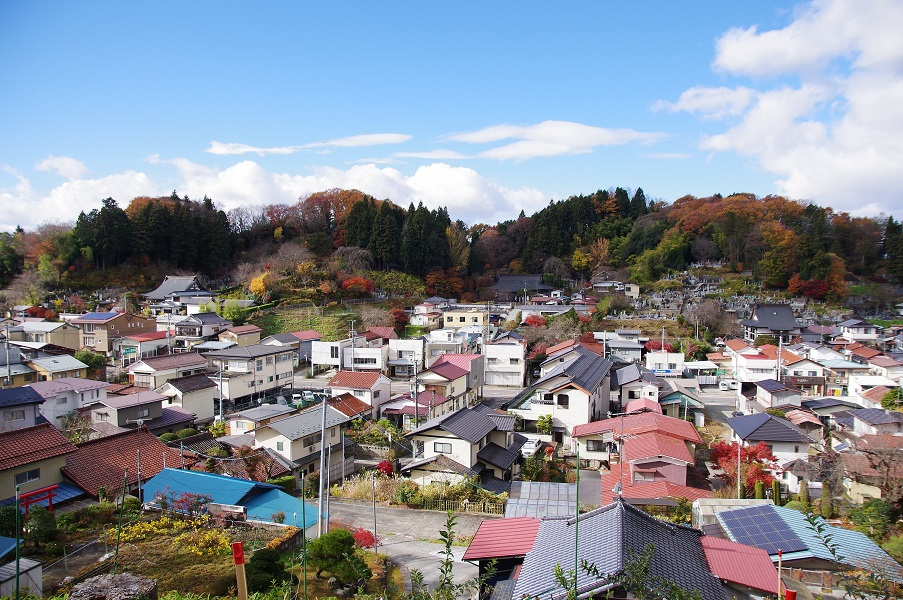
point(55, 364)
point(130, 400)
point(349, 404)
point(647, 490)
point(306, 335)
point(501, 538)
point(650, 445)
point(307, 422)
point(641, 423)
point(772, 385)
point(877, 416)
point(171, 284)
point(250, 351)
point(32, 444)
point(740, 564)
point(220, 488)
point(447, 370)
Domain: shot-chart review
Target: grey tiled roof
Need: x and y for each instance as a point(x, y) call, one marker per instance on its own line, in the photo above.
point(465, 423)
point(496, 456)
point(772, 385)
point(307, 422)
point(827, 403)
point(777, 317)
point(877, 416)
point(767, 428)
point(250, 351)
point(609, 537)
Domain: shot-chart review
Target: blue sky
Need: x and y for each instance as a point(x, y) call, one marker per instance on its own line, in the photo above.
point(485, 108)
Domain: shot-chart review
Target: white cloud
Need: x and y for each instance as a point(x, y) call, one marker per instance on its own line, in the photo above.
point(549, 138)
point(668, 156)
point(63, 166)
point(832, 136)
point(26, 207)
point(355, 141)
point(713, 103)
point(440, 154)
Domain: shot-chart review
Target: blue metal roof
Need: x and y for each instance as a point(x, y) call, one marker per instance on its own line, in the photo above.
point(63, 492)
point(263, 506)
point(220, 488)
point(18, 396)
point(7, 545)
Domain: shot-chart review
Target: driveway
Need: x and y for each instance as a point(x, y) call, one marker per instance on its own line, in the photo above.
point(411, 537)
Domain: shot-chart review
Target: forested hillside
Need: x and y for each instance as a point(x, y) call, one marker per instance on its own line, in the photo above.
point(802, 248)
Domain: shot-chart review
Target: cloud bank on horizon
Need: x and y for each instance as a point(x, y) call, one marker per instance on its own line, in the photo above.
point(817, 104)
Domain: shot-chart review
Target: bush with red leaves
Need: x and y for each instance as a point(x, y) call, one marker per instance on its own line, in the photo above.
point(386, 468)
point(364, 538)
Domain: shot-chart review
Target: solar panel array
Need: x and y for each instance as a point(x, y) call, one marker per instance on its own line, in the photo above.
point(761, 527)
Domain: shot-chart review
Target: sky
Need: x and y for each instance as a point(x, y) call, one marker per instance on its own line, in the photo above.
point(485, 108)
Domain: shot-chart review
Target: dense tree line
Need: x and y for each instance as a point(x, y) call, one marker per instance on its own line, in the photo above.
point(801, 247)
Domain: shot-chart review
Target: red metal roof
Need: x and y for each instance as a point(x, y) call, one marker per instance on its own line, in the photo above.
point(447, 370)
point(306, 335)
point(652, 445)
point(32, 444)
point(349, 405)
point(463, 361)
point(647, 489)
point(641, 423)
point(244, 329)
point(147, 337)
point(740, 564)
point(103, 462)
point(358, 380)
point(641, 403)
point(502, 538)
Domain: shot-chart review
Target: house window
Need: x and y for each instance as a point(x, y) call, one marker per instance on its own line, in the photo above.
point(88, 328)
point(103, 417)
point(311, 440)
point(269, 360)
point(279, 446)
point(260, 365)
point(492, 361)
point(813, 373)
point(376, 393)
point(14, 415)
point(514, 361)
point(25, 477)
point(334, 352)
point(640, 476)
point(60, 401)
point(270, 379)
point(563, 401)
point(241, 425)
point(595, 445)
point(87, 341)
point(144, 412)
point(442, 447)
point(359, 392)
point(796, 448)
point(461, 319)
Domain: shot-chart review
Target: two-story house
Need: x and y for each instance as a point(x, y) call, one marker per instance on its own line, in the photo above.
point(63, 397)
point(57, 367)
point(506, 360)
point(154, 371)
point(99, 330)
point(196, 394)
point(445, 341)
point(458, 317)
point(468, 442)
point(14, 371)
point(573, 392)
point(785, 440)
point(770, 393)
point(665, 364)
point(372, 355)
point(198, 328)
point(859, 330)
point(246, 421)
point(250, 371)
point(367, 386)
point(241, 335)
point(298, 439)
point(133, 348)
point(771, 319)
point(405, 356)
point(31, 458)
point(19, 408)
point(333, 355)
point(633, 382)
point(142, 409)
point(47, 332)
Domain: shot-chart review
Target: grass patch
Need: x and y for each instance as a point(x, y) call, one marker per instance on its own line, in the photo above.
point(886, 322)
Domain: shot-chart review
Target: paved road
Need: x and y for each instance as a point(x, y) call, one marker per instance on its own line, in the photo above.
point(411, 536)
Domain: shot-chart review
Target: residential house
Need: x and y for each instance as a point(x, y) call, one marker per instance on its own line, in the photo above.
point(172, 284)
point(248, 371)
point(14, 371)
point(100, 465)
point(47, 332)
point(259, 501)
point(626, 350)
point(665, 364)
point(288, 341)
point(499, 547)
point(824, 408)
point(785, 440)
point(838, 373)
point(632, 383)
point(458, 317)
point(466, 443)
point(241, 335)
point(575, 391)
point(19, 408)
point(798, 471)
point(133, 348)
point(506, 360)
point(31, 458)
point(859, 384)
point(332, 355)
point(405, 356)
point(306, 338)
point(350, 406)
point(885, 366)
point(154, 371)
point(808, 421)
point(609, 539)
point(770, 393)
point(862, 354)
point(198, 328)
point(195, 394)
point(446, 341)
point(58, 367)
point(144, 409)
point(298, 439)
point(677, 398)
point(67, 396)
point(859, 330)
point(872, 467)
point(99, 330)
point(870, 421)
point(410, 409)
point(774, 320)
point(372, 355)
point(473, 364)
point(427, 315)
point(518, 287)
point(790, 537)
point(246, 421)
point(369, 387)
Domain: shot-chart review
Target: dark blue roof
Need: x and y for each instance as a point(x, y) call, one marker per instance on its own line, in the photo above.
point(767, 428)
point(877, 416)
point(7, 545)
point(18, 396)
point(772, 385)
point(827, 403)
point(97, 316)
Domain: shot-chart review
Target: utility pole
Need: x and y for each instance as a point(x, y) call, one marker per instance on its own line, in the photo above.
point(352, 344)
point(9, 372)
point(323, 474)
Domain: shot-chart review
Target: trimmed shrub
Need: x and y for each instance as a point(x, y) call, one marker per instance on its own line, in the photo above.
point(287, 481)
point(187, 432)
point(796, 505)
point(168, 437)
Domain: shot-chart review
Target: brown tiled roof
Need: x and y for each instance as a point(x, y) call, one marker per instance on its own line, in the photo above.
point(32, 444)
point(173, 361)
point(387, 333)
point(244, 329)
point(349, 405)
point(103, 462)
point(359, 380)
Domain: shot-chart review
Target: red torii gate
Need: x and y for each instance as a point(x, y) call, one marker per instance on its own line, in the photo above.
point(35, 496)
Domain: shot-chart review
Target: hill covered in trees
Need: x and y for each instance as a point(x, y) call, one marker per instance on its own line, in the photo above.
point(802, 248)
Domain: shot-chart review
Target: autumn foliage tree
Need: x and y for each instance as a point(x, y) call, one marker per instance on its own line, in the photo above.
point(755, 461)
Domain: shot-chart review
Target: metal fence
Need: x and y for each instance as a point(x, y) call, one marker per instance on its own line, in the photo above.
point(489, 508)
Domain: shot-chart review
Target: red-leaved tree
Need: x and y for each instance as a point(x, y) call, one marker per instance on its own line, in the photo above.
point(364, 538)
point(386, 468)
point(755, 461)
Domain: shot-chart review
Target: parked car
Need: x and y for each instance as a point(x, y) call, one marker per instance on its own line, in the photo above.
point(530, 448)
point(728, 384)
